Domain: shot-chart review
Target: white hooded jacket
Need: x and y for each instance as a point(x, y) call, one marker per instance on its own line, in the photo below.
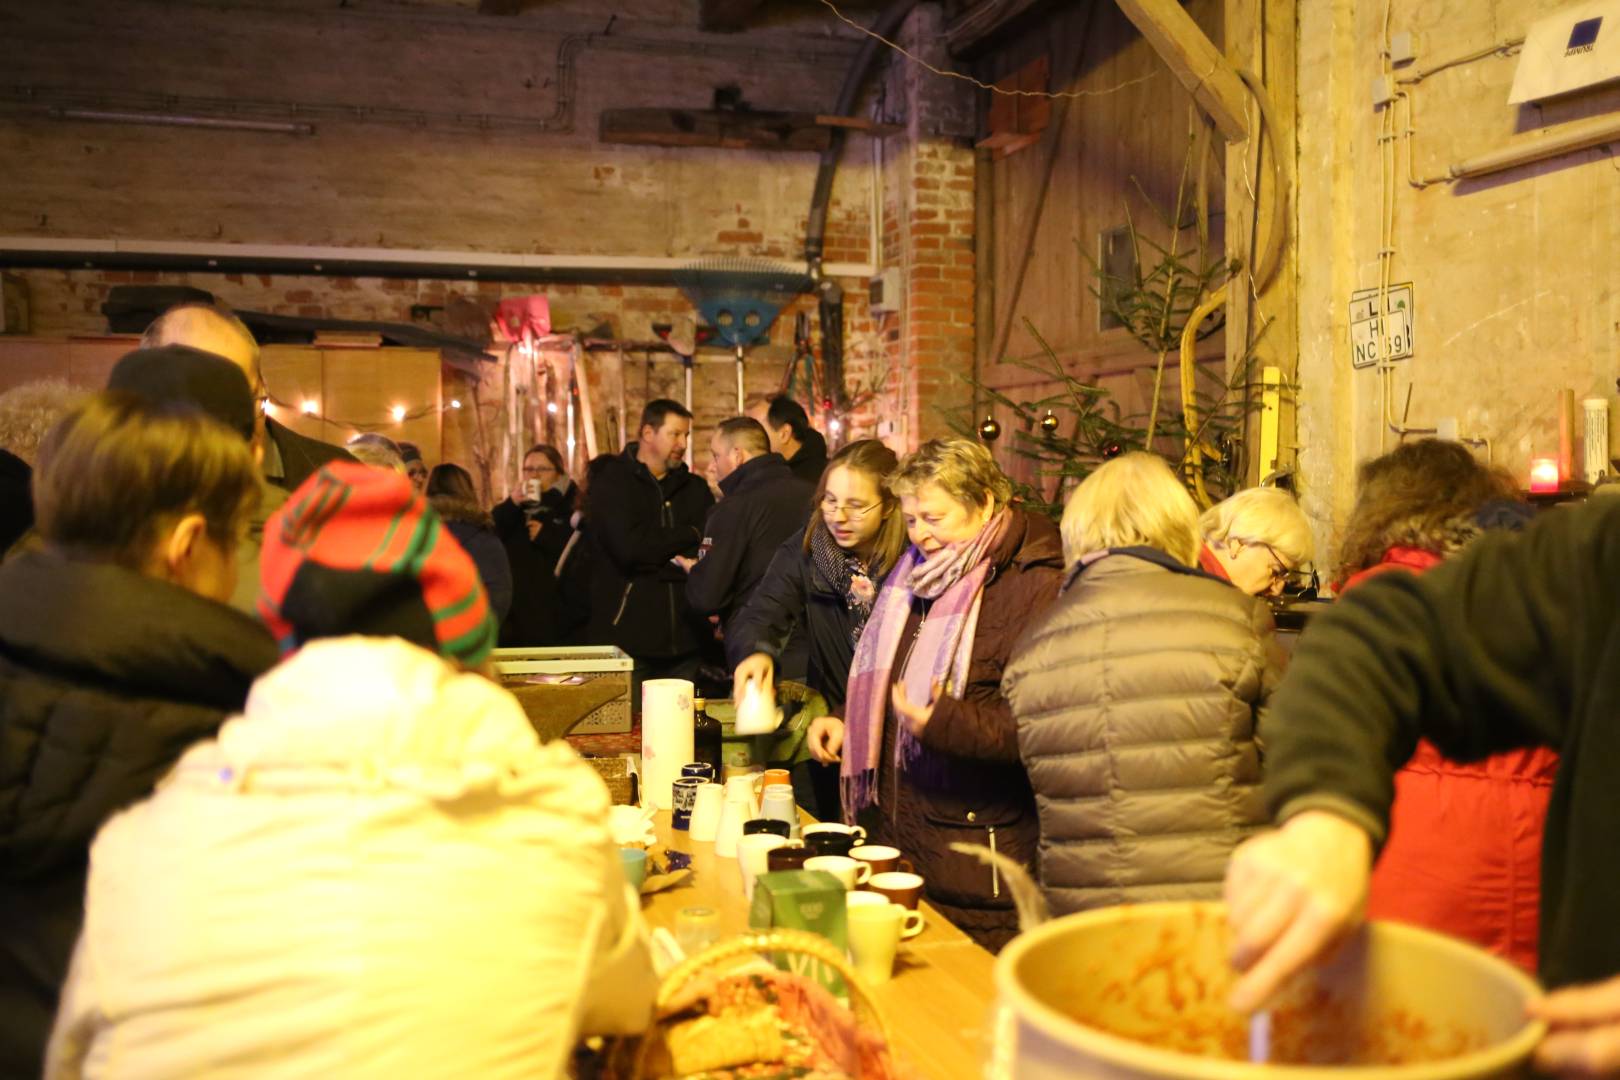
point(376, 871)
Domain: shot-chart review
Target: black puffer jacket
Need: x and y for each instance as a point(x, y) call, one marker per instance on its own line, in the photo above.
point(636, 524)
point(106, 676)
point(764, 504)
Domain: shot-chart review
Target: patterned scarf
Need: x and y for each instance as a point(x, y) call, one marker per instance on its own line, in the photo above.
point(848, 575)
point(953, 579)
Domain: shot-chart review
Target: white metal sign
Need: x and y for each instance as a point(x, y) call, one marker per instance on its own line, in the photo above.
point(1368, 333)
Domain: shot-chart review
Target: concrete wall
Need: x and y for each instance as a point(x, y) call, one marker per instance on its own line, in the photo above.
point(1517, 289)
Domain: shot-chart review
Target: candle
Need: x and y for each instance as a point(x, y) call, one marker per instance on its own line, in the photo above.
point(1544, 475)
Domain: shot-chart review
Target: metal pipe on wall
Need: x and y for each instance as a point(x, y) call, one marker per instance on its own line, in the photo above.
point(1578, 136)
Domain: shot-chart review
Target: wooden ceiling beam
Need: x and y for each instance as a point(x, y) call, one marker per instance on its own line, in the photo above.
point(1195, 61)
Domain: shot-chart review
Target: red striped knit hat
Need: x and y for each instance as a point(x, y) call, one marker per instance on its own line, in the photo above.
point(356, 550)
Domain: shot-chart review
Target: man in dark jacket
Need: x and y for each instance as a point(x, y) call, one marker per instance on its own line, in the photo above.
point(800, 445)
point(764, 504)
point(1514, 643)
point(643, 509)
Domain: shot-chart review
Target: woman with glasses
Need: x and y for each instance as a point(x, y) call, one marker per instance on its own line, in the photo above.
point(1464, 848)
point(926, 744)
point(1139, 700)
point(535, 523)
point(823, 580)
point(1255, 540)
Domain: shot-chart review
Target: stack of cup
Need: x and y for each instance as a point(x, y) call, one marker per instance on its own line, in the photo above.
point(778, 805)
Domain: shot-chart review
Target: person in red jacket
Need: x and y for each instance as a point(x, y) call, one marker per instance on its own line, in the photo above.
point(1464, 849)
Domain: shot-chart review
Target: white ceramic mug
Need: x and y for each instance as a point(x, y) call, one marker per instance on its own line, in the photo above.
point(848, 872)
point(752, 853)
point(733, 813)
point(864, 898)
point(706, 806)
point(874, 935)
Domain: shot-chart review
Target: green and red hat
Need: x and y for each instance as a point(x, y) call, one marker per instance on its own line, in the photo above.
point(355, 550)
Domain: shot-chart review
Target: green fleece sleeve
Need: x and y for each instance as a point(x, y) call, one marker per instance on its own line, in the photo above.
point(1490, 651)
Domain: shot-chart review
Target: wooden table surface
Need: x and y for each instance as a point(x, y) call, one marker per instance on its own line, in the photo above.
point(937, 1006)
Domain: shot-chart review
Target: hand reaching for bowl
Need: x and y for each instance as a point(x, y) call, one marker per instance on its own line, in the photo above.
point(1583, 1037)
point(1291, 894)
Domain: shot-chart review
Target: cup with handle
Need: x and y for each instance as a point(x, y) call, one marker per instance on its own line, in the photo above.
point(848, 872)
point(903, 888)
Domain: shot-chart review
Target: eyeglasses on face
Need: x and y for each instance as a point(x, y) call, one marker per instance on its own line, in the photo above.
point(831, 507)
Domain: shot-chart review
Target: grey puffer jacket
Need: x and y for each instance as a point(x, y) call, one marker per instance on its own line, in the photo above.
point(1138, 698)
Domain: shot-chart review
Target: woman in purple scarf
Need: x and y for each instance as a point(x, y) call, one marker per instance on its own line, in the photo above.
point(927, 744)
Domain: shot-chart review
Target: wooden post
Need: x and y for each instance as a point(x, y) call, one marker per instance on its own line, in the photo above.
point(1194, 60)
point(1263, 330)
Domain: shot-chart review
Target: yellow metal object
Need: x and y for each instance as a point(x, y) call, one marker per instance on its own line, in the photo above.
point(1194, 463)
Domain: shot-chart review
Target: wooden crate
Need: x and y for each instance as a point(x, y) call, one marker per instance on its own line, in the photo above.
point(598, 683)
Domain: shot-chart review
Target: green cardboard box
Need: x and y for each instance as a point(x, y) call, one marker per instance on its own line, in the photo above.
point(802, 900)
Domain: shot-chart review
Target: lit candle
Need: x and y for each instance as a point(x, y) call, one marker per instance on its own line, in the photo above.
point(1544, 474)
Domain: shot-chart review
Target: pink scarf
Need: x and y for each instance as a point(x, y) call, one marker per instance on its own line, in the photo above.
point(953, 578)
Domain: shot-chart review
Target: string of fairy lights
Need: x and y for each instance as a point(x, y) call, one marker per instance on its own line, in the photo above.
point(311, 407)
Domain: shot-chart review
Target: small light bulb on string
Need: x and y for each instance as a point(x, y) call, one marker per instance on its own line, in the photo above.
point(990, 429)
point(455, 403)
point(1049, 424)
point(834, 425)
point(551, 407)
point(399, 413)
point(309, 407)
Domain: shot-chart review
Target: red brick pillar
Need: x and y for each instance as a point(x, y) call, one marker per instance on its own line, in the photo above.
point(931, 231)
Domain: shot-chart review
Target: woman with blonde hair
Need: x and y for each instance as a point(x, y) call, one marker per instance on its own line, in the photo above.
point(926, 745)
point(1255, 539)
point(1138, 700)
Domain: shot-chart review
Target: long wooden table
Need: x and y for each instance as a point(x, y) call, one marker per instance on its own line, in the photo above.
point(938, 1005)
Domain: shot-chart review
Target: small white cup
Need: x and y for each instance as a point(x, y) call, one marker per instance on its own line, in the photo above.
point(848, 872)
point(706, 807)
point(752, 854)
point(874, 934)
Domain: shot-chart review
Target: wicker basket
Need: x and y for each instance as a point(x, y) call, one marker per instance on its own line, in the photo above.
point(867, 1014)
point(616, 775)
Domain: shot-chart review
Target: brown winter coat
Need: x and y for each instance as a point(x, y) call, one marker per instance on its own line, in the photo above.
point(970, 786)
point(1139, 697)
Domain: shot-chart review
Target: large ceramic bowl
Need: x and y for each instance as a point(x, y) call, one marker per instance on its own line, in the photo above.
point(1139, 991)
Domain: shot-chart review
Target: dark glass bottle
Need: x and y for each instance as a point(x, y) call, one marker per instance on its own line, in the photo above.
point(705, 737)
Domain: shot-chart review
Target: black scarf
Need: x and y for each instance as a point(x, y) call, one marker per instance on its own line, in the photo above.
point(845, 572)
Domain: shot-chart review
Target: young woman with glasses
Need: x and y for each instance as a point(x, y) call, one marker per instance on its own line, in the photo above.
point(824, 579)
